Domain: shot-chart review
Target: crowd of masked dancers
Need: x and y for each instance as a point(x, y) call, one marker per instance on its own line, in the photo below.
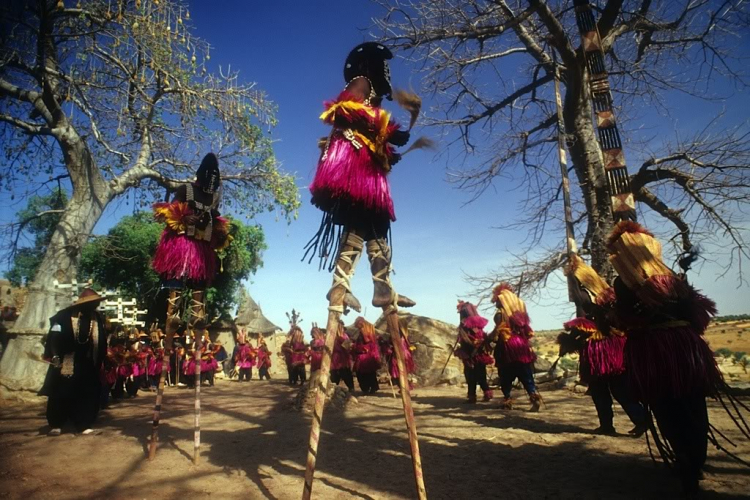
point(133, 362)
point(363, 354)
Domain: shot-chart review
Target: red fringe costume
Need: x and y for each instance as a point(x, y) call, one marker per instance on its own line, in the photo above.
point(298, 357)
point(473, 350)
point(264, 361)
point(671, 368)
point(317, 346)
point(366, 351)
point(341, 361)
point(244, 360)
point(513, 353)
point(602, 368)
point(390, 355)
point(514, 330)
point(600, 355)
point(182, 257)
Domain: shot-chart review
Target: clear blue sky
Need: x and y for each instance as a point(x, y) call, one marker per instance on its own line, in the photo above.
point(295, 51)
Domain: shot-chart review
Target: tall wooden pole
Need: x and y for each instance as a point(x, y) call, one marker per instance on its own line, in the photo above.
point(570, 240)
point(335, 308)
point(391, 316)
point(197, 419)
point(170, 328)
point(623, 203)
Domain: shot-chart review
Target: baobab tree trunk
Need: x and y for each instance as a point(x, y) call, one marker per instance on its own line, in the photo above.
point(90, 196)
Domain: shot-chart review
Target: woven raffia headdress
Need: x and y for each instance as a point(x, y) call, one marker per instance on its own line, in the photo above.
point(506, 300)
point(597, 288)
point(636, 256)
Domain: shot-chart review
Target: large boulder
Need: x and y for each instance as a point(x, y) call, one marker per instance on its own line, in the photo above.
point(433, 340)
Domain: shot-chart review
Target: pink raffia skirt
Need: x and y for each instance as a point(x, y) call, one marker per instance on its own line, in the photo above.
point(209, 366)
point(670, 362)
point(605, 357)
point(188, 368)
point(408, 361)
point(517, 350)
point(316, 358)
point(368, 362)
point(349, 176)
point(181, 257)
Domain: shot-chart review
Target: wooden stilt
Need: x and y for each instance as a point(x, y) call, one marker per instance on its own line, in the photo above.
point(169, 329)
point(198, 315)
point(346, 260)
point(324, 374)
point(197, 423)
point(391, 315)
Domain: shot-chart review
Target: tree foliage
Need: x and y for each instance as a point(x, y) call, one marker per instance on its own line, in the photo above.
point(38, 221)
point(490, 67)
point(122, 260)
point(117, 97)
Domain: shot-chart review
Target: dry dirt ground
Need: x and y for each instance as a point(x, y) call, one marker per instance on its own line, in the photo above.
point(254, 445)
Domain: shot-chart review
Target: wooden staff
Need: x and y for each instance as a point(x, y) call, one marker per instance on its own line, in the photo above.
point(391, 316)
point(570, 240)
point(450, 355)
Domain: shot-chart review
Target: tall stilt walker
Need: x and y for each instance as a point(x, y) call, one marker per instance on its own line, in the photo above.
point(351, 188)
point(186, 259)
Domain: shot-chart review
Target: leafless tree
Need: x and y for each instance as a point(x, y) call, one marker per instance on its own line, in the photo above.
point(115, 97)
point(490, 65)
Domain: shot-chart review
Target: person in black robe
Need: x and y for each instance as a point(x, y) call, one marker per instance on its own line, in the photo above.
point(76, 348)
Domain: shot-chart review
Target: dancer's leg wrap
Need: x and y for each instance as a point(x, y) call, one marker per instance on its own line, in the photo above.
point(379, 254)
point(348, 257)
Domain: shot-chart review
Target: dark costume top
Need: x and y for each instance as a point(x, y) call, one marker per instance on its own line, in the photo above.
point(79, 340)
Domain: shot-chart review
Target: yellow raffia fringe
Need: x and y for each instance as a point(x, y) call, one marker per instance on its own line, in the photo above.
point(167, 213)
point(378, 144)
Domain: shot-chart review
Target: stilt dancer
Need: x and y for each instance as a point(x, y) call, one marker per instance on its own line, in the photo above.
point(186, 258)
point(351, 188)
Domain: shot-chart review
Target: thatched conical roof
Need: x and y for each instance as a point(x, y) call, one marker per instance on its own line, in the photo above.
point(251, 317)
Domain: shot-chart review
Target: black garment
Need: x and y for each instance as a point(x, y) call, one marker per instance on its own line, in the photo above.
point(290, 373)
point(368, 382)
point(524, 372)
point(246, 374)
point(603, 389)
point(81, 409)
point(118, 390)
point(76, 397)
point(207, 377)
point(476, 375)
point(684, 424)
point(298, 373)
point(263, 372)
point(132, 384)
point(344, 374)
